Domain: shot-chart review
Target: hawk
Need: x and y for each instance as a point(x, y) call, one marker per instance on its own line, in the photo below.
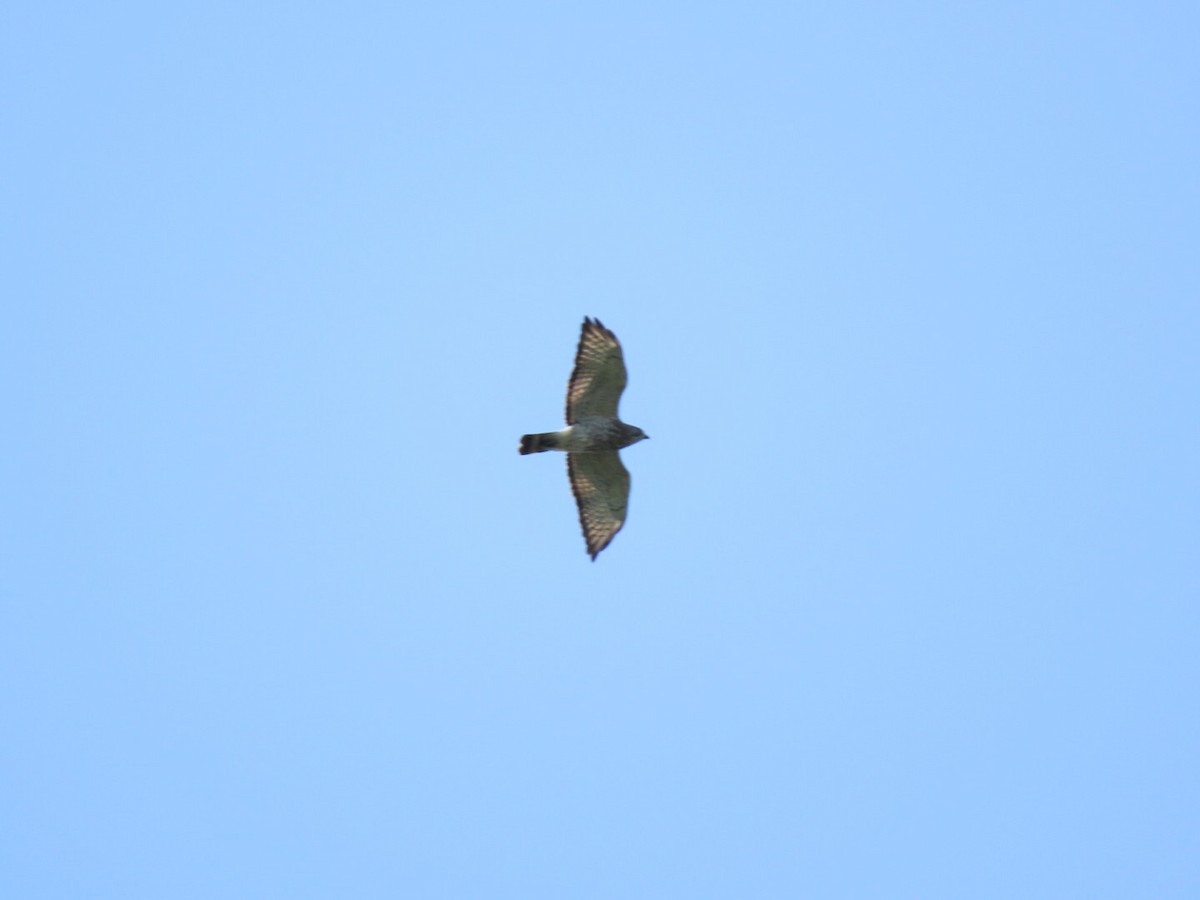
point(593, 435)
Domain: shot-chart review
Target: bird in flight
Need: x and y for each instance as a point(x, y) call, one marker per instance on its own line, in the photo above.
point(593, 435)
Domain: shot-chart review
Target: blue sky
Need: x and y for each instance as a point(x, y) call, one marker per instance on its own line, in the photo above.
point(906, 604)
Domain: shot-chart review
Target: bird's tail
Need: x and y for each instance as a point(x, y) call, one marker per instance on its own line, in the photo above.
point(537, 443)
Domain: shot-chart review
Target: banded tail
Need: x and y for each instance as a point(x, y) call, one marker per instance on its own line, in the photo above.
point(539, 443)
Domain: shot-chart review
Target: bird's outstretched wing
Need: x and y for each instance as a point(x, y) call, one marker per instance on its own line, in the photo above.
point(600, 483)
point(599, 375)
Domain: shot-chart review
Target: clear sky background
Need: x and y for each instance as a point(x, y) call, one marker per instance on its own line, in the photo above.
point(908, 601)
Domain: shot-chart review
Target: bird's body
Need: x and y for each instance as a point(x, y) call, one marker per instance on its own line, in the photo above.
point(585, 436)
point(593, 435)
